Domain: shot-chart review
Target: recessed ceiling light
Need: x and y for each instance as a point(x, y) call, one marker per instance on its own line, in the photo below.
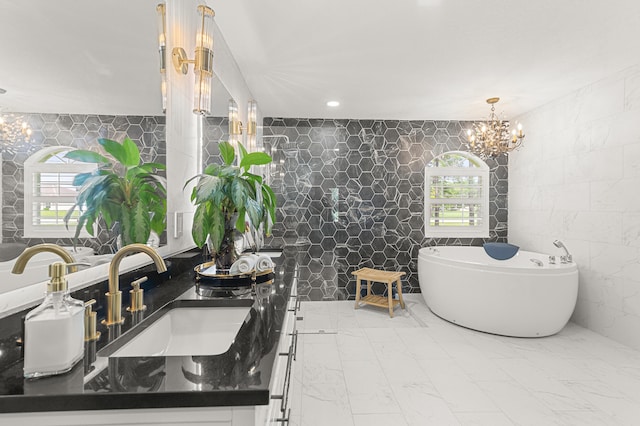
point(333, 103)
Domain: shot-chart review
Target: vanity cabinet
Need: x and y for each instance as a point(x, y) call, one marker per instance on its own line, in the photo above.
point(248, 385)
point(278, 411)
point(215, 416)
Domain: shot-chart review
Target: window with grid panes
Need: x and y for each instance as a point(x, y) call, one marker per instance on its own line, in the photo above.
point(457, 196)
point(50, 193)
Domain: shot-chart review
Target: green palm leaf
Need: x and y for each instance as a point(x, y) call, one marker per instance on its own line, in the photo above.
point(132, 154)
point(87, 156)
point(128, 192)
point(200, 228)
point(114, 148)
point(227, 152)
point(231, 193)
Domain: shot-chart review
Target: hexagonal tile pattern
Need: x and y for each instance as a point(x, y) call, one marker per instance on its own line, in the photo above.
point(367, 196)
point(78, 131)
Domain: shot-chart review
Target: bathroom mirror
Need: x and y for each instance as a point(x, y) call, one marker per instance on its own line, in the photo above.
point(75, 70)
point(78, 70)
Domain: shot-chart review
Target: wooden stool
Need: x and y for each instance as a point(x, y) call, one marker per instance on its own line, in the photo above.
point(387, 277)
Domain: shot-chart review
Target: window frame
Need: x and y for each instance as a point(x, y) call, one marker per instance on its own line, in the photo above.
point(36, 164)
point(479, 168)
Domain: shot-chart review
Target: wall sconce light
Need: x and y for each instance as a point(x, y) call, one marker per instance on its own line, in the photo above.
point(235, 125)
point(252, 125)
point(162, 48)
point(203, 62)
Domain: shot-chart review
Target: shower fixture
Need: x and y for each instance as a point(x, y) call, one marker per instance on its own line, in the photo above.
point(567, 258)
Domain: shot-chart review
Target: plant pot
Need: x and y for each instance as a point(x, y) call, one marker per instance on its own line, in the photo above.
point(231, 248)
point(153, 241)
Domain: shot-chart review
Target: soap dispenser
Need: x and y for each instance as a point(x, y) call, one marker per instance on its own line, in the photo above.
point(54, 331)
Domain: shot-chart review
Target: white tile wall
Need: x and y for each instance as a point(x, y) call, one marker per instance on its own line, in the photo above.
point(577, 179)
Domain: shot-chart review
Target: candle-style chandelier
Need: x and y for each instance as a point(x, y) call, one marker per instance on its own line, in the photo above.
point(492, 137)
point(14, 132)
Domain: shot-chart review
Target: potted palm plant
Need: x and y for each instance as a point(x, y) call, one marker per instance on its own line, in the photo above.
point(228, 199)
point(122, 190)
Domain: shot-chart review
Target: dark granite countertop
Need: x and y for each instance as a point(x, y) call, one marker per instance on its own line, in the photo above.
point(239, 376)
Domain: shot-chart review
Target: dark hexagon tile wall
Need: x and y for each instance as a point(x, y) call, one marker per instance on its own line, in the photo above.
point(216, 129)
point(350, 195)
point(79, 131)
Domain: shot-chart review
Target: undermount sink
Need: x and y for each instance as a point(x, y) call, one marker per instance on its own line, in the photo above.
point(183, 328)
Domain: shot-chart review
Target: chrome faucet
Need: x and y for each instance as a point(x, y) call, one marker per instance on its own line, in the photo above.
point(114, 296)
point(567, 258)
point(28, 253)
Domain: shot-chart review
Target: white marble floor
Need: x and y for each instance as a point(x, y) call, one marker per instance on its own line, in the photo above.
point(362, 368)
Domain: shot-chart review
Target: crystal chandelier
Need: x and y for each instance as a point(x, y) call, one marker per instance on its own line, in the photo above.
point(14, 132)
point(492, 138)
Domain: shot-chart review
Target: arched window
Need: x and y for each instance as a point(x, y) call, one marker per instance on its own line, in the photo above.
point(49, 193)
point(457, 196)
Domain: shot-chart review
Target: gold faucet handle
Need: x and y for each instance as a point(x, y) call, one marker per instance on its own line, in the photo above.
point(137, 296)
point(90, 318)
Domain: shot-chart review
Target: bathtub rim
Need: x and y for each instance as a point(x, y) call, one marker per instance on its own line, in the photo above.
point(493, 265)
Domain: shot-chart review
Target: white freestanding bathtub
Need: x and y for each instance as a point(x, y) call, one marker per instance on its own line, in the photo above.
point(524, 296)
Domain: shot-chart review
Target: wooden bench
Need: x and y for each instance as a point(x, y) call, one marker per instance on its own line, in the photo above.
point(387, 277)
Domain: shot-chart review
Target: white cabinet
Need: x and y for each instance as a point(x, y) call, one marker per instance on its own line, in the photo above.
point(214, 416)
point(278, 411)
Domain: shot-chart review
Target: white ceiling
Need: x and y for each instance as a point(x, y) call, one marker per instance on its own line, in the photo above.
point(424, 59)
point(80, 56)
point(394, 59)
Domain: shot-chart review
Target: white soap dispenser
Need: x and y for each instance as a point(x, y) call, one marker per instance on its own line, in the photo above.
point(54, 331)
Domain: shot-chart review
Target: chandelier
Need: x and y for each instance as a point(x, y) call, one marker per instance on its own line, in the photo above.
point(14, 132)
point(492, 138)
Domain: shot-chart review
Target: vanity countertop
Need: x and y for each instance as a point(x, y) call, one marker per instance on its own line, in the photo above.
point(239, 376)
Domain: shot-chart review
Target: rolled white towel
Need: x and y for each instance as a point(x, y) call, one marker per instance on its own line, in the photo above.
point(263, 263)
point(244, 265)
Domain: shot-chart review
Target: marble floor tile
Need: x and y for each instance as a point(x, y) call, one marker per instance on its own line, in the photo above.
point(379, 420)
point(519, 404)
point(324, 404)
point(623, 409)
point(420, 344)
point(400, 370)
point(455, 386)
point(422, 405)
point(622, 378)
point(484, 419)
point(353, 345)
point(368, 388)
point(555, 394)
point(586, 418)
point(417, 369)
point(321, 359)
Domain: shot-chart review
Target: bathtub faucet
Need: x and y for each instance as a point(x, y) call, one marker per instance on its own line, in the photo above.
point(537, 262)
point(567, 258)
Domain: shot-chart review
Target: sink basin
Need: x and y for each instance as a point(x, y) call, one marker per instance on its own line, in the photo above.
point(183, 328)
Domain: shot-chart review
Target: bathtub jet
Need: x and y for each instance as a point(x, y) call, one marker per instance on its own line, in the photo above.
point(515, 297)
